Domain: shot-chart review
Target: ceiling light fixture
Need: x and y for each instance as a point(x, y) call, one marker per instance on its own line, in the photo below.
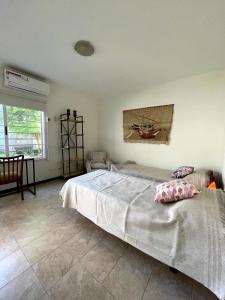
point(84, 48)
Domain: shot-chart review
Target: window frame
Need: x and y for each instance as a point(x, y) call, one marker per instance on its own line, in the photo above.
point(43, 126)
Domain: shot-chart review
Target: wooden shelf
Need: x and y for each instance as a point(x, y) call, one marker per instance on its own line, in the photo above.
point(71, 120)
point(72, 144)
point(66, 134)
point(73, 174)
point(68, 148)
point(74, 159)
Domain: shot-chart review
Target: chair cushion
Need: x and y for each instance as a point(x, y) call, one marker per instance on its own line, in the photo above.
point(100, 165)
point(98, 157)
point(9, 177)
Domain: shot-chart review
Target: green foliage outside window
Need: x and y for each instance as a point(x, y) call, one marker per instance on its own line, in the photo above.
point(24, 131)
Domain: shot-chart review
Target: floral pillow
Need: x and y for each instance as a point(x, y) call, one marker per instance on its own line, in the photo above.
point(174, 190)
point(182, 172)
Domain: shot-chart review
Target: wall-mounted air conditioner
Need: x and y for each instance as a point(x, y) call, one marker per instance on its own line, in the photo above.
point(22, 82)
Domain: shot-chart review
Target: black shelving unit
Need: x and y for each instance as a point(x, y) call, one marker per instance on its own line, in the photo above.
point(72, 144)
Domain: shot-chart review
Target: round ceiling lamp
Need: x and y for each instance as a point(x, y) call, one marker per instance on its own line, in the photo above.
point(84, 48)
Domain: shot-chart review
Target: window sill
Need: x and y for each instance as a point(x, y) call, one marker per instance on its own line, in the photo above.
point(36, 159)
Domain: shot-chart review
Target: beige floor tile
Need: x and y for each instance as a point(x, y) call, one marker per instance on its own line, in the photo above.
point(78, 219)
point(7, 246)
point(100, 260)
point(42, 246)
point(44, 297)
point(4, 231)
point(166, 285)
point(113, 243)
point(12, 266)
point(124, 284)
point(76, 225)
point(200, 292)
point(37, 204)
point(53, 267)
point(29, 232)
point(83, 241)
point(50, 188)
point(55, 220)
point(14, 212)
point(79, 284)
point(39, 248)
point(130, 276)
point(24, 287)
point(6, 202)
point(137, 260)
point(58, 239)
point(11, 199)
point(102, 294)
point(15, 223)
point(43, 213)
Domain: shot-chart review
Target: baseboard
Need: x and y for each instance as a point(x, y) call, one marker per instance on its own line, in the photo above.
point(49, 179)
point(13, 190)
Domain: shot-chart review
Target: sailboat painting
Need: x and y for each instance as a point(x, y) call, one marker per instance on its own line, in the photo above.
point(148, 125)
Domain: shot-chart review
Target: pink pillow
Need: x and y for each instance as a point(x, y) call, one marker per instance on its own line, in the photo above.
point(182, 172)
point(174, 190)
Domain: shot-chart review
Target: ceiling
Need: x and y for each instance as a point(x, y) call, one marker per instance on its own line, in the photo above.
point(137, 42)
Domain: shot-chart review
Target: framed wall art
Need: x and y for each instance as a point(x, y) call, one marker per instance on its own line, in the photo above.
point(148, 125)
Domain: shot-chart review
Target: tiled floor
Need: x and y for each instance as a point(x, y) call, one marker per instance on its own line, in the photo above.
point(47, 252)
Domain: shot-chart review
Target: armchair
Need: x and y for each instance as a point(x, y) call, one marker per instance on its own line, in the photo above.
point(97, 160)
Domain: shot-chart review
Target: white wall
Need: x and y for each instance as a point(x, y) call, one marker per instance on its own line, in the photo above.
point(197, 136)
point(60, 99)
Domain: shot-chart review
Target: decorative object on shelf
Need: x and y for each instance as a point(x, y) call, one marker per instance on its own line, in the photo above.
point(148, 125)
point(72, 144)
point(97, 160)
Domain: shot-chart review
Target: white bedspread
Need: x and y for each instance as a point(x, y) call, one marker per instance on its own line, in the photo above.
point(188, 235)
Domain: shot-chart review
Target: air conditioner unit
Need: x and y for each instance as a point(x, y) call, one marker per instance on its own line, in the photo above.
point(22, 82)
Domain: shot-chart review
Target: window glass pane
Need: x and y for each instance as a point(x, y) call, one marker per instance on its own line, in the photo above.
point(25, 132)
point(2, 132)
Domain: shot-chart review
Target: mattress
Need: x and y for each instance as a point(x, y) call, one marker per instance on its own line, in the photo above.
point(188, 235)
point(199, 178)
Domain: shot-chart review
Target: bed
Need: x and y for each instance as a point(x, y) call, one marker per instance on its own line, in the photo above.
point(200, 178)
point(188, 235)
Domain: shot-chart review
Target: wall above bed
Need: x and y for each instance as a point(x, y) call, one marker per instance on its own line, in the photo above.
point(198, 130)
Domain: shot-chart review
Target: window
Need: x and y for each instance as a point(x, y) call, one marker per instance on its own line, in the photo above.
point(22, 131)
point(2, 132)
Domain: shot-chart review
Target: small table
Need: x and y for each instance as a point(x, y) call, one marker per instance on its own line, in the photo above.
point(28, 185)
